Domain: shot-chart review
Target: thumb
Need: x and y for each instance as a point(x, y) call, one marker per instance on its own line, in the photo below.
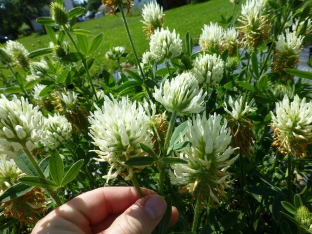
point(142, 217)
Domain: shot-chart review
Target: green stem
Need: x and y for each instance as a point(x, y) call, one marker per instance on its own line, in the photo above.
point(169, 132)
point(196, 216)
point(289, 178)
point(242, 170)
point(83, 63)
point(137, 185)
point(168, 67)
point(52, 193)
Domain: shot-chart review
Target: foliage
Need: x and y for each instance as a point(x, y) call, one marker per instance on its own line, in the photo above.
point(221, 133)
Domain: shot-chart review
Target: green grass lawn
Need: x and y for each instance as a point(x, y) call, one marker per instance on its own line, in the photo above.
point(189, 18)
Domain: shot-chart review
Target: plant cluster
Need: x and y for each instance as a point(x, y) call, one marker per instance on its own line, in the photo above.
point(224, 134)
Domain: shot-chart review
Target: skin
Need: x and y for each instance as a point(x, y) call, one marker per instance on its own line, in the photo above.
point(107, 210)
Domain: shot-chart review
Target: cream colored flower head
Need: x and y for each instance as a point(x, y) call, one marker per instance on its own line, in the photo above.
point(69, 99)
point(115, 53)
point(289, 43)
point(39, 69)
point(292, 124)
point(56, 131)
point(9, 173)
point(211, 37)
point(239, 108)
point(208, 158)
point(6, 58)
point(153, 17)
point(19, 53)
point(117, 129)
point(208, 69)
point(181, 95)
point(20, 125)
point(165, 44)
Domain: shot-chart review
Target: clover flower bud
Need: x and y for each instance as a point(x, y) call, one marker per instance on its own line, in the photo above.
point(58, 13)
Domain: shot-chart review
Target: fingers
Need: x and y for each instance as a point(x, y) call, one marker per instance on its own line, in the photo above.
point(141, 217)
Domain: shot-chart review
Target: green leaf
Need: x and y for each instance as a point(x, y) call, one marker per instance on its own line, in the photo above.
point(134, 75)
point(37, 182)
point(274, 5)
point(188, 44)
point(176, 134)
point(51, 34)
point(15, 191)
point(181, 146)
point(46, 90)
point(40, 52)
point(73, 57)
point(46, 21)
point(173, 160)
point(254, 63)
point(297, 201)
point(277, 207)
point(245, 85)
point(262, 83)
point(285, 228)
point(230, 220)
point(163, 226)
point(56, 167)
point(140, 161)
point(148, 150)
point(289, 207)
point(13, 89)
point(61, 77)
point(293, 220)
point(228, 85)
point(301, 74)
point(77, 11)
point(260, 190)
point(7, 224)
point(30, 84)
point(150, 83)
point(95, 43)
point(23, 163)
point(129, 84)
point(44, 166)
point(72, 172)
point(79, 31)
point(83, 44)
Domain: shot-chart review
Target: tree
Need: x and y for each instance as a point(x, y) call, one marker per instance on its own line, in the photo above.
point(93, 6)
point(11, 18)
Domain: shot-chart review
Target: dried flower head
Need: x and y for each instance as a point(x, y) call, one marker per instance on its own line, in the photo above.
point(208, 69)
point(20, 125)
point(19, 53)
point(165, 44)
point(255, 23)
point(153, 17)
point(58, 13)
point(181, 95)
point(292, 125)
point(114, 4)
point(286, 54)
point(205, 174)
point(56, 131)
point(119, 138)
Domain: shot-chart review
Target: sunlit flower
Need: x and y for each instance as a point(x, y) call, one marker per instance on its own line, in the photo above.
point(118, 129)
point(19, 53)
point(58, 13)
point(287, 52)
point(115, 53)
point(240, 125)
point(153, 17)
point(181, 95)
point(211, 37)
point(208, 69)
point(165, 44)
point(39, 69)
point(9, 173)
point(69, 100)
point(20, 125)
point(56, 131)
point(292, 125)
point(255, 23)
point(205, 173)
point(114, 4)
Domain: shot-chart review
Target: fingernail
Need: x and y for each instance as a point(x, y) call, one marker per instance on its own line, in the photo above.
point(155, 206)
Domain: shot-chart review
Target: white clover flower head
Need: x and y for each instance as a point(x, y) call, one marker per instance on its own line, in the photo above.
point(9, 173)
point(37, 90)
point(115, 53)
point(39, 69)
point(205, 174)
point(239, 110)
point(181, 95)
point(292, 124)
point(56, 131)
point(211, 37)
point(6, 58)
point(153, 17)
point(147, 57)
point(20, 125)
point(208, 69)
point(19, 53)
point(69, 98)
point(165, 44)
point(32, 77)
point(117, 129)
point(289, 43)
point(298, 25)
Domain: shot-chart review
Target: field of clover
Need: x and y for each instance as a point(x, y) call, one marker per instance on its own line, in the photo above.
point(223, 134)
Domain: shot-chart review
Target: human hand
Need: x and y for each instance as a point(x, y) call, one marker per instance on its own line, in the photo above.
point(107, 210)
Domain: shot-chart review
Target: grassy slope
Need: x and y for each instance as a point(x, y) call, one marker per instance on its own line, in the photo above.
point(189, 18)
